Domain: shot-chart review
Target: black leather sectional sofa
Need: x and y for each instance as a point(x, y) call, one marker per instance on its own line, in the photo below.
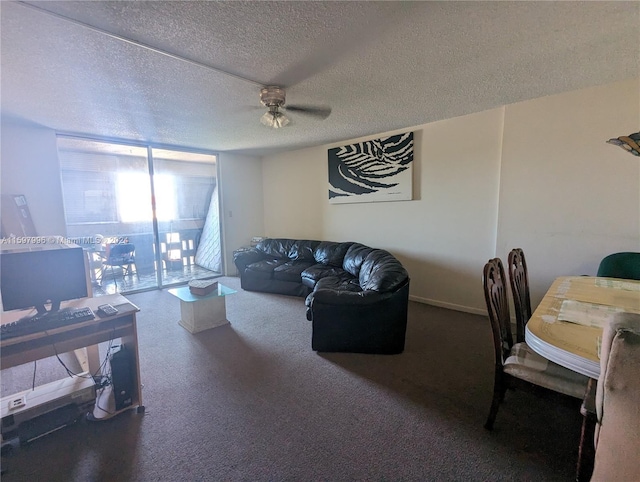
point(356, 296)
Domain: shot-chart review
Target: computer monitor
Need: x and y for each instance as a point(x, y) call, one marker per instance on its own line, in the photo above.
point(31, 277)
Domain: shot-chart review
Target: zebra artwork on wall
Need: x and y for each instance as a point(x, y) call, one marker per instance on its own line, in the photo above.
point(372, 171)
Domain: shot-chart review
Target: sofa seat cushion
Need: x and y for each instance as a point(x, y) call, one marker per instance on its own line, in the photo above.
point(341, 283)
point(316, 272)
point(264, 269)
point(344, 282)
point(291, 270)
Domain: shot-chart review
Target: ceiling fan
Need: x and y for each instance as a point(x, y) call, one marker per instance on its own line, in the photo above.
point(273, 97)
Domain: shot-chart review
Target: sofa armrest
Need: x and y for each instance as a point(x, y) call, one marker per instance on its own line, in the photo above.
point(246, 257)
point(358, 322)
point(345, 297)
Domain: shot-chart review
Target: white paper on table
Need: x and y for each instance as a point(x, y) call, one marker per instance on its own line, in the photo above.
point(618, 285)
point(587, 314)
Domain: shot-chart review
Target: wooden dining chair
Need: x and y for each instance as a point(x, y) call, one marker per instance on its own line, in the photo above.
point(519, 281)
point(517, 365)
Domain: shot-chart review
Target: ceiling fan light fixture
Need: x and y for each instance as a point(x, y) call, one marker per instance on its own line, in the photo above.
point(273, 98)
point(274, 119)
point(272, 95)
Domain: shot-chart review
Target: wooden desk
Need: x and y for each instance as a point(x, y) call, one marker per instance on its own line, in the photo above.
point(83, 338)
point(576, 345)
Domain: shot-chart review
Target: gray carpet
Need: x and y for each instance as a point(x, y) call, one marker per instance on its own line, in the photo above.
point(252, 401)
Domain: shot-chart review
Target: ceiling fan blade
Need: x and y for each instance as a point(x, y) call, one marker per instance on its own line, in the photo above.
point(321, 112)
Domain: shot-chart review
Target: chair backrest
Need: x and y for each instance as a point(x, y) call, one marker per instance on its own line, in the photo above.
point(519, 280)
point(620, 265)
point(121, 253)
point(495, 294)
point(617, 438)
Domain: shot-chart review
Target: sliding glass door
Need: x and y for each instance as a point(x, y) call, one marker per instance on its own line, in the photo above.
point(184, 185)
point(156, 199)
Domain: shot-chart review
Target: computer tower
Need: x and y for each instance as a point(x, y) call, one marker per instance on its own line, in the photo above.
point(122, 377)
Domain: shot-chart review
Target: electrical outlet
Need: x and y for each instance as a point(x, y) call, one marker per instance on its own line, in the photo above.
point(17, 402)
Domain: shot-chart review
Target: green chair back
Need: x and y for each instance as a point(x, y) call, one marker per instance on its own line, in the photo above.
point(620, 265)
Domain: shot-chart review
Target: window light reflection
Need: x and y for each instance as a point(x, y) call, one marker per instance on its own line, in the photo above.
point(134, 194)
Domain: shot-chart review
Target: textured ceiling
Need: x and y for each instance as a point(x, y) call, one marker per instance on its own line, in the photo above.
point(381, 66)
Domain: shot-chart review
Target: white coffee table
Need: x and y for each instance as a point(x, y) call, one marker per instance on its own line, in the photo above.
point(200, 313)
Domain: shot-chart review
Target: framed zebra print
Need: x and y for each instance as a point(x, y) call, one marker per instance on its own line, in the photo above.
point(372, 171)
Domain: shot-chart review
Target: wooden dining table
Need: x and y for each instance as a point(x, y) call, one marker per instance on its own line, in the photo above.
point(567, 327)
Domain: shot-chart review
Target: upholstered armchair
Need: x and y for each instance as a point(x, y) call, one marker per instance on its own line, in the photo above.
point(617, 437)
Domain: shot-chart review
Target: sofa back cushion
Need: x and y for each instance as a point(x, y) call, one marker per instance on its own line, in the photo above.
point(293, 249)
point(355, 256)
point(276, 247)
point(331, 253)
point(380, 271)
point(303, 250)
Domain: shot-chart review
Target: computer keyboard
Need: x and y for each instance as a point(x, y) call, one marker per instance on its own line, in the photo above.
point(48, 321)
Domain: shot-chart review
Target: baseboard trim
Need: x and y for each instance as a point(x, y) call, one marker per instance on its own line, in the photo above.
point(450, 306)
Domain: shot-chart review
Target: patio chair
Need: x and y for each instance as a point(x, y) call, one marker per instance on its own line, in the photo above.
point(119, 255)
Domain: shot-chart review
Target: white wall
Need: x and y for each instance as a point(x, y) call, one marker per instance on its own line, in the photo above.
point(29, 165)
point(456, 166)
point(567, 197)
point(241, 203)
point(536, 175)
point(294, 194)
